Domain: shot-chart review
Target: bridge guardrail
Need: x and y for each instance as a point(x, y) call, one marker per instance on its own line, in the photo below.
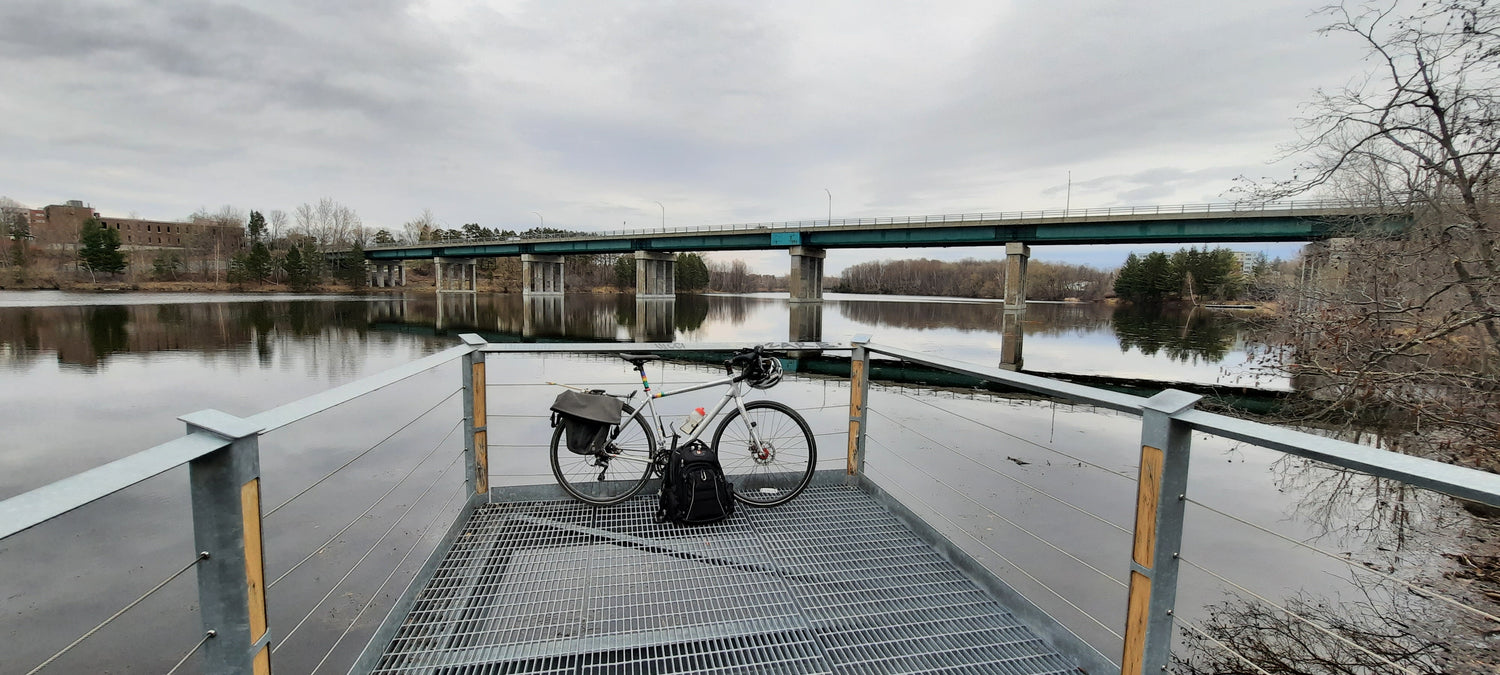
point(1060, 215)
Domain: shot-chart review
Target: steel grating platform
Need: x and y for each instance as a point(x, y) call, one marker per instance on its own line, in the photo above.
point(830, 583)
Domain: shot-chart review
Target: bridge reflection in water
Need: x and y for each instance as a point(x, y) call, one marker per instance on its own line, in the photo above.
point(656, 319)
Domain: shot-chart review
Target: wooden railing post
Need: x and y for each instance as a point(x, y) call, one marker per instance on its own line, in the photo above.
point(225, 487)
point(859, 396)
point(1160, 501)
point(476, 419)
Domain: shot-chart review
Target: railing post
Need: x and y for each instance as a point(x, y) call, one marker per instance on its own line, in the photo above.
point(859, 397)
point(476, 420)
point(225, 487)
point(1160, 501)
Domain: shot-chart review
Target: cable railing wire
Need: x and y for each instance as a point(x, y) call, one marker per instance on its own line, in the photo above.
point(1419, 590)
point(1313, 624)
point(201, 557)
point(372, 506)
point(1028, 441)
point(397, 521)
point(1230, 650)
point(417, 540)
point(1018, 568)
point(1352, 564)
point(1007, 521)
point(1004, 475)
point(207, 635)
point(367, 451)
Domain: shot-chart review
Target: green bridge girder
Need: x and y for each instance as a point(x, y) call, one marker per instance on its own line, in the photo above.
point(1135, 229)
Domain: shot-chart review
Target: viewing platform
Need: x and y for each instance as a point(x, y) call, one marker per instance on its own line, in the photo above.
point(916, 549)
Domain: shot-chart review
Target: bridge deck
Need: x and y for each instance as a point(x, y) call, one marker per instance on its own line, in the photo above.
point(831, 582)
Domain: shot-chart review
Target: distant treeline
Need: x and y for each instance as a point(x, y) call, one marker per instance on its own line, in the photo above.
point(970, 278)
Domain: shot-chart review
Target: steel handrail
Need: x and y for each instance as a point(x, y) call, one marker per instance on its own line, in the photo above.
point(37, 506)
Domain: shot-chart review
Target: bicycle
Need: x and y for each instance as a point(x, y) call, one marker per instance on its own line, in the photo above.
point(766, 448)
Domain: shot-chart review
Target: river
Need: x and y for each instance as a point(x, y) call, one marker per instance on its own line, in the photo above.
point(89, 378)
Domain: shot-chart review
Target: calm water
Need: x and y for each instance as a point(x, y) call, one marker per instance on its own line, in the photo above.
point(85, 379)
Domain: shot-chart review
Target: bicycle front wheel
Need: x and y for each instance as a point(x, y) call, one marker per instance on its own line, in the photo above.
point(776, 463)
point(611, 476)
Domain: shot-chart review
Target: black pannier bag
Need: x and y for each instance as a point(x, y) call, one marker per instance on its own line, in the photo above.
point(586, 419)
point(694, 490)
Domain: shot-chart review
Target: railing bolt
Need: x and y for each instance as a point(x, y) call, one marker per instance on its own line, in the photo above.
point(213, 634)
point(203, 555)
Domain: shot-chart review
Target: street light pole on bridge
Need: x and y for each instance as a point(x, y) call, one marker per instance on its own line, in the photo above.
point(540, 218)
point(663, 216)
point(830, 206)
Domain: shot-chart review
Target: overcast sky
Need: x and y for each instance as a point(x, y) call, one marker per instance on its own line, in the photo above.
point(591, 112)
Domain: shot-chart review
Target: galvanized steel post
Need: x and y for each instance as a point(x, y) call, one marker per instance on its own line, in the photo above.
point(1160, 501)
point(859, 398)
point(476, 419)
point(225, 488)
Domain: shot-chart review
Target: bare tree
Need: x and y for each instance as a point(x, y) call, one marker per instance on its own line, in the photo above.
point(1404, 327)
point(277, 220)
point(419, 228)
point(331, 224)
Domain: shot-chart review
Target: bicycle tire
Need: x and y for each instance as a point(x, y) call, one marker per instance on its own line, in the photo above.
point(602, 480)
point(760, 480)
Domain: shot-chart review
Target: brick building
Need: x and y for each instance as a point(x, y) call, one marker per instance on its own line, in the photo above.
point(60, 225)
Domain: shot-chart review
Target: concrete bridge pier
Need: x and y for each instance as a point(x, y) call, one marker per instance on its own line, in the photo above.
point(542, 316)
point(1011, 334)
point(655, 318)
point(1016, 255)
point(386, 275)
point(655, 275)
point(807, 274)
point(462, 273)
point(541, 274)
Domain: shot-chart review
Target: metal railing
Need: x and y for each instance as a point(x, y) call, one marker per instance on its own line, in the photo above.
point(1285, 208)
point(1168, 422)
point(222, 453)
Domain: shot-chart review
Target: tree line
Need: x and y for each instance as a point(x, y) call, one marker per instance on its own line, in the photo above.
point(1188, 273)
point(972, 278)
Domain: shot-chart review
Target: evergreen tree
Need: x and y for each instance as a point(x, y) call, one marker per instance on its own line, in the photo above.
point(257, 226)
point(297, 274)
point(352, 267)
point(258, 264)
point(691, 274)
point(625, 272)
point(99, 248)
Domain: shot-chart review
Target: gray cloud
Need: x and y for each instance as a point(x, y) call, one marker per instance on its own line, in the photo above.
point(591, 112)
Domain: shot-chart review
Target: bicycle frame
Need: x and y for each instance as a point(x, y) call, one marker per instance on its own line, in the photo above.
point(734, 394)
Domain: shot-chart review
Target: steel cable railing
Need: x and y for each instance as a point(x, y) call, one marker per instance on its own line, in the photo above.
point(1027, 441)
point(207, 635)
point(370, 508)
point(1006, 476)
point(997, 514)
point(397, 521)
point(1352, 564)
point(1227, 649)
point(367, 451)
point(1309, 622)
point(90, 633)
point(918, 499)
point(416, 541)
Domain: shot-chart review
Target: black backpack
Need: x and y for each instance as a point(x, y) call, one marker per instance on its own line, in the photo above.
point(694, 491)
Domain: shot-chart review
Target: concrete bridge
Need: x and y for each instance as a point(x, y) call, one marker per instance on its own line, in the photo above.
point(807, 242)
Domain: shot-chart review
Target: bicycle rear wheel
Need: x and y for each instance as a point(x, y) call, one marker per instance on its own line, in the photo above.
point(612, 476)
point(776, 470)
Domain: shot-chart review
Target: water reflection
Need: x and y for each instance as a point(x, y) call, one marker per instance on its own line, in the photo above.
point(1084, 339)
point(1197, 335)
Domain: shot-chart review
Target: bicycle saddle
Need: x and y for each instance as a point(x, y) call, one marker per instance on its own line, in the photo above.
point(638, 359)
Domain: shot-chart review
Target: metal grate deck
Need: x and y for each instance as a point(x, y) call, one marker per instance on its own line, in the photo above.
point(831, 582)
